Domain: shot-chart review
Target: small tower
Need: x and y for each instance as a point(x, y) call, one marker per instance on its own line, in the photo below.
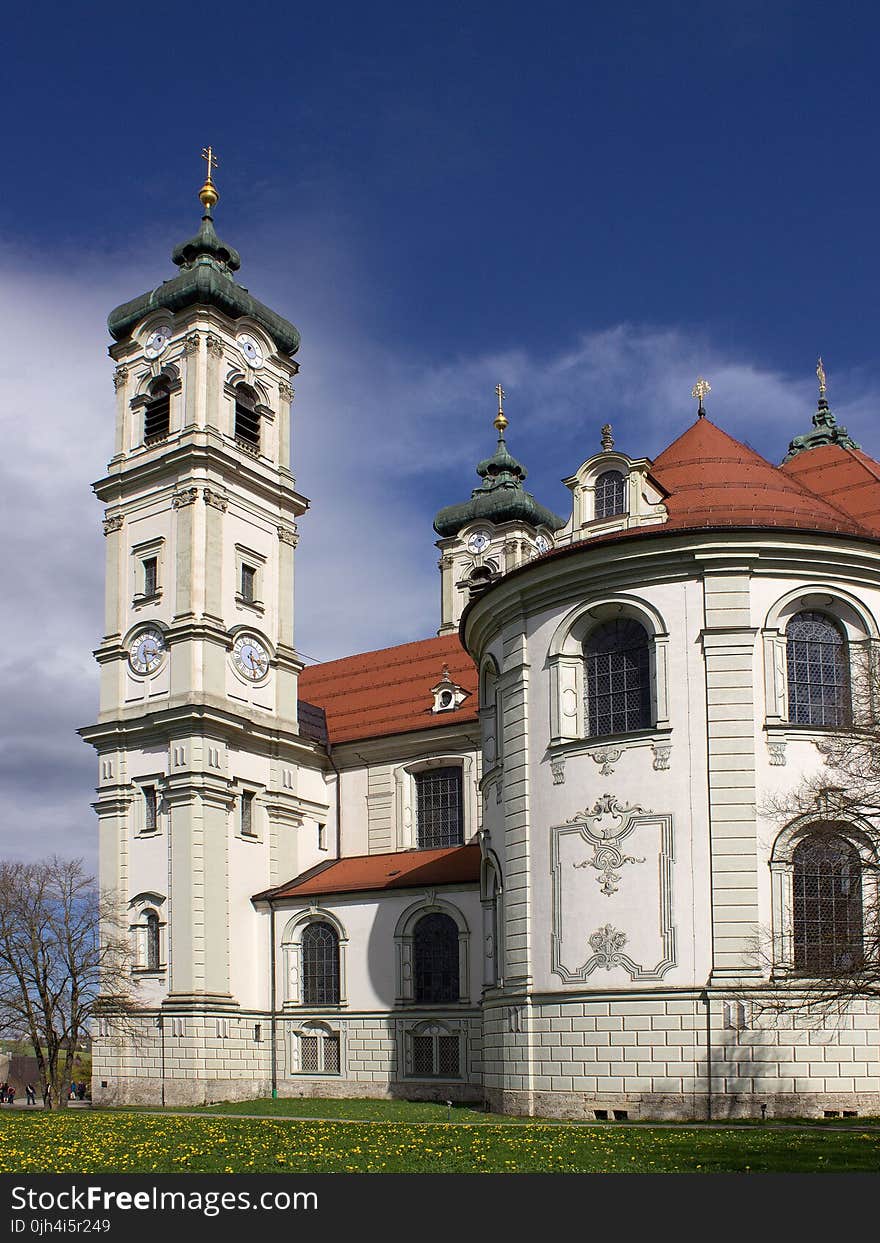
point(825, 427)
point(501, 526)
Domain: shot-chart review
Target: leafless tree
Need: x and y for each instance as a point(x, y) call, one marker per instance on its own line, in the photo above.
point(838, 803)
point(64, 961)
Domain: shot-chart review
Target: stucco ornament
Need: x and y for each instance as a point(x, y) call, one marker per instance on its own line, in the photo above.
point(607, 855)
point(607, 943)
point(607, 757)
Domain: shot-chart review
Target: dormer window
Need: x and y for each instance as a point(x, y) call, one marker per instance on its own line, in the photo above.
point(610, 494)
point(157, 413)
point(247, 419)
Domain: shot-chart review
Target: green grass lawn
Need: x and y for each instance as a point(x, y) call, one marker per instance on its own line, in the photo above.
point(128, 1142)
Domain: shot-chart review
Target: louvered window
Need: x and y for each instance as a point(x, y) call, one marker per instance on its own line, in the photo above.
point(248, 581)
point(827, 905)
point(818, 671)
point(157, 413)
point(247, 421)
point(618, 678)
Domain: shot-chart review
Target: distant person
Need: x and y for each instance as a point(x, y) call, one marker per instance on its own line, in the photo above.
point(31, 1094)
point(10, 1095)
point(80, 1091)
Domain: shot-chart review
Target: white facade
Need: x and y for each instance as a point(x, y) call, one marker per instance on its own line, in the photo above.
point(606, 952)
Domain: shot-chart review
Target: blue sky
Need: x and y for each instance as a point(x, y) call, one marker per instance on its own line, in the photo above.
point(591, 203)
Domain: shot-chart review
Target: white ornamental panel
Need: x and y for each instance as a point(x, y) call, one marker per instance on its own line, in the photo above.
point(612, 893)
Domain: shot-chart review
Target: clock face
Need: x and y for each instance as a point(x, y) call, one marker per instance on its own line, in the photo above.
point(157, 341)
point(542, 544)
point(146, 652)
point(250, 349)
point(250, 657)
point(478, 541)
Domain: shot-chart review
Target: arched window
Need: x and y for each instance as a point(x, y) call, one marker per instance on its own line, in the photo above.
point(618, 678)
point(320, 965)
point(827, 905)
point(435, 959)
point(247, 419)
point(610, 494)
point(151, 941)
point(818, 671)
point(157, 412)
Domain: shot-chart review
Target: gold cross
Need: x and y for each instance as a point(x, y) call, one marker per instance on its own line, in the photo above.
point(208, 193)
point(700, 389)
point(820, 373)
point(213, 162)
point(500, 418)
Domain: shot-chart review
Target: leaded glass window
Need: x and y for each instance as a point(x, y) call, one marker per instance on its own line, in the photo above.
point(308, 1053)
point(320, 965)
point(151, 957)
point(435, 959)
point(610, 494)
point(247, 813)
point(151, 575)
point(439, 807)
point(618, 678)
point(435, 1052)
point(818, 671)
point(150, 809)
point(827, 905)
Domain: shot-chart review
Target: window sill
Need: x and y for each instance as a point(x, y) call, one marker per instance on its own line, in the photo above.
point(624, 742)
point(148, 833)
point(255, 606)
point(789, 731)
point(153, 973)
point(140, 599)
point(254, 838)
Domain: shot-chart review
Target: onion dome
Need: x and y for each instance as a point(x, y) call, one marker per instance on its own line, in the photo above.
point(501, 496)
point(205, 279)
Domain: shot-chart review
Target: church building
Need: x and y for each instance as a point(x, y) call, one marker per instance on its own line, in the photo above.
point(522, 862)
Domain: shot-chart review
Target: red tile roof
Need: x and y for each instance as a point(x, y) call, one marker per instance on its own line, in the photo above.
point(375, 694)
point(847, 478)
point(714, 480)
point(453, 865)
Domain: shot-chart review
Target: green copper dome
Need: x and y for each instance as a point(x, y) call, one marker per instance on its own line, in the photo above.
point(499, 498)
point(825, 432)
point(205, 278)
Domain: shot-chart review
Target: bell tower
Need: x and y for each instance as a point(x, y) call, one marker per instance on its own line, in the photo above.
point(200, 754)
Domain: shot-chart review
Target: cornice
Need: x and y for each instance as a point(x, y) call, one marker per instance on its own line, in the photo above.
point(653, 555)
point(202, 719)
point(191, 461)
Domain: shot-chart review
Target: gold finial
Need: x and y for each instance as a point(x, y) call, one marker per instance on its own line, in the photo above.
point(820, 373)
point(208, 193)
point(700, 389)
point(500, 418)
point(607, 438)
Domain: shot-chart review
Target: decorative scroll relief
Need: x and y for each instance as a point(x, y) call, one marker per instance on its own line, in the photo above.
point(618, 919)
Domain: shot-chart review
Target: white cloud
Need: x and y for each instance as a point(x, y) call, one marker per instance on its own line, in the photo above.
point(380, 442)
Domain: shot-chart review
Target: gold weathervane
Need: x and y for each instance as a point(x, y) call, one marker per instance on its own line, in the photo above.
point(500, 418)
point(208, 193)
point(820, 374)
point(700, 389)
